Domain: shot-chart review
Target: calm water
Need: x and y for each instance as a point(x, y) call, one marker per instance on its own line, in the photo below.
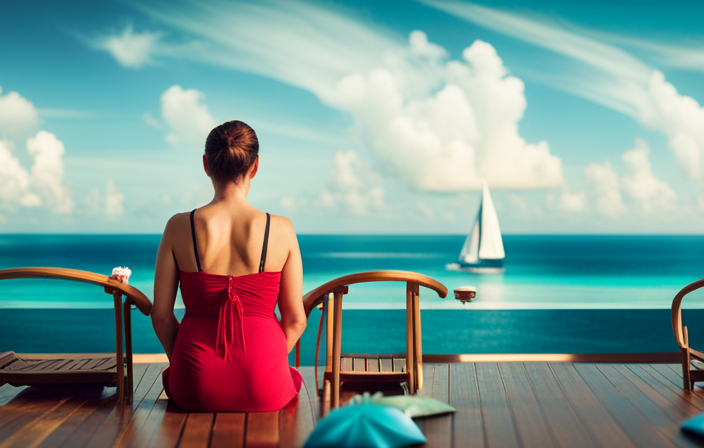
point(559, 293)
point(542, 272)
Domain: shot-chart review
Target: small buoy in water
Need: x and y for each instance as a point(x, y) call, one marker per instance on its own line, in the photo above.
point(465, 293)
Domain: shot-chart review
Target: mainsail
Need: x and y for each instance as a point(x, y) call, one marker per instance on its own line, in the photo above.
point(484, 242)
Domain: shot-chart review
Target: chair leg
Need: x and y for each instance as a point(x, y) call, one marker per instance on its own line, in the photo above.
point(686, 373)
point(129, 386)
point(326, 396)
point(117, 297)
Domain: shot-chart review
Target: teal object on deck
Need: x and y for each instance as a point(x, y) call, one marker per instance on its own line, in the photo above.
point(366, 425)
point(694, 425)
point(411, 405)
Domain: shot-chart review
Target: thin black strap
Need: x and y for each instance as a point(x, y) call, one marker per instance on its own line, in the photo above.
point(266, 242)
point(195, 245)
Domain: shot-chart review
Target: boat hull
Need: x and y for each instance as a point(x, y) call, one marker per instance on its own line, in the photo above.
point(483, 267)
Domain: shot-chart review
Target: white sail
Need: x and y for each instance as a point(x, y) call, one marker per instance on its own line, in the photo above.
point(470, 249)
point(484, 242)
point(491, 247)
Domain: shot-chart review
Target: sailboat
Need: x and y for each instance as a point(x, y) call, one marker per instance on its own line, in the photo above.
point(483, 250)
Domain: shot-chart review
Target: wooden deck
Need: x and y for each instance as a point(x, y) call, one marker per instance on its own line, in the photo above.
point(506, 404)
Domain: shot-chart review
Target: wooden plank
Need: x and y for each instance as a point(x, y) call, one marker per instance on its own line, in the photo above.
point(438, 429)
point(34, 432)
point(565, 424)
point(430, 374)
point(464, 396)
point(373, 365)
point(228, 430)
point(648, 408)
point(693, 397)
point(25, 408)
point(296, 420)
point(262, 429)
point(665, 398)
point(359, 364)
point(346, 364)
point(386, 365)
point(638, 429)
point(167, 431)
point(115, 427)
point(399, 364)
point(107, 407)
point(499, 427)
point(196, 431)
point(72, 423)
point(675, 394)
point(590, 411)
point(532, 428)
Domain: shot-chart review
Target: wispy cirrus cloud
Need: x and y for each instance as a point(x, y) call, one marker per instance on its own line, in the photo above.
point(617, 80)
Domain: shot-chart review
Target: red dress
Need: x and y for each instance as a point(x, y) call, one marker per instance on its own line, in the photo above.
point(230, 352)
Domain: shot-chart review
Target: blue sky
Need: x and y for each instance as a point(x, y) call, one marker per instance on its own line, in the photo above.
point(373, 117)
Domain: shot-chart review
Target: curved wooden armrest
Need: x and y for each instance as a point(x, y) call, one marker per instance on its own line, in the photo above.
point(138, 298)
point(677, 310)
point(314, 297)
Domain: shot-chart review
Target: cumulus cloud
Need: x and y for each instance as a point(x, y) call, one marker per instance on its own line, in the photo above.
point(111, 205)
point(609, 76)
point(441, 125)
point(187, 118)
point(647, 193)
point(636, 190)
point(353, 186)
point(129, 48)
point(14, 178)
point(47, 173)
point(114, 200)
point(18, 116)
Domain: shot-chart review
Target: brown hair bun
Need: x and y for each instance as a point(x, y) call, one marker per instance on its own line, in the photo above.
point(230, 150)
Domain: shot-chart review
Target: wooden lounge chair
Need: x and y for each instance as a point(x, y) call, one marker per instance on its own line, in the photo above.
point(691, 373)
point(109, 371)
point(406, 367)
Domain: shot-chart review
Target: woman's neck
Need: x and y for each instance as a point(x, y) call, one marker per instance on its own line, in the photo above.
point(231, 192)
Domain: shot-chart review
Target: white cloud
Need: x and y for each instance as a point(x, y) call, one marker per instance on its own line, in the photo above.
point(114, 200)
point(647, 192)
point(188, 120)
point(636, 191)
point(617, 79)
point(129, 48)
point(442, 125)
point(18, 116)
point(47, 173)
point(605, 189)
point(14, 179)
point(353, 186)
point(91, 202)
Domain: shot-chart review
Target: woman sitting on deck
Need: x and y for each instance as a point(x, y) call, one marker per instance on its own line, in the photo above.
point(234, 264)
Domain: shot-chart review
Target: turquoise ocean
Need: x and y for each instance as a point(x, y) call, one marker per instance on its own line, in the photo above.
point(559, 294)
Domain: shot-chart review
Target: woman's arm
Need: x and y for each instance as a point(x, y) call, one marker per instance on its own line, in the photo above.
point(165, 285)
point(293, 316)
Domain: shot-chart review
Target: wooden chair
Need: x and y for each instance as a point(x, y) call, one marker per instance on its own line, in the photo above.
point(108, 371)
point(690, 372)
point(330, 296)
